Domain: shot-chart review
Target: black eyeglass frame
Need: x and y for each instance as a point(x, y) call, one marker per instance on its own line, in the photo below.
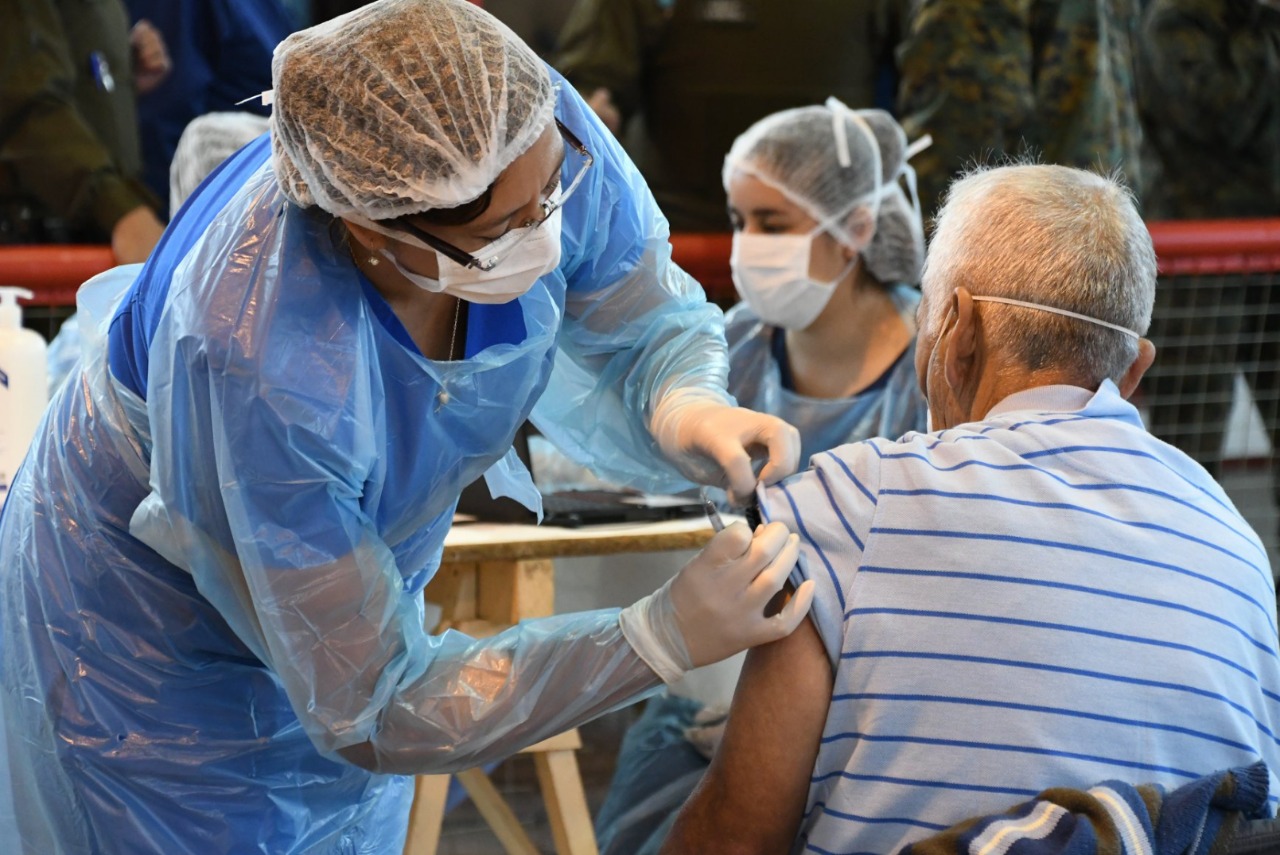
point(549, 207)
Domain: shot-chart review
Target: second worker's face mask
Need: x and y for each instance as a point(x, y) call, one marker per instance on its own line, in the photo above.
point(537, 255)
point(771, 274)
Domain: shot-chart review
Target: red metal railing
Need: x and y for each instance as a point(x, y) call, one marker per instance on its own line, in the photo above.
point(54, 271)
point(1208, 247)
point(1214, 247)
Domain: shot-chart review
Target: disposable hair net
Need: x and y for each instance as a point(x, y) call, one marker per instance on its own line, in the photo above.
point(403, 106)
point(831, 160)
point(206, 142)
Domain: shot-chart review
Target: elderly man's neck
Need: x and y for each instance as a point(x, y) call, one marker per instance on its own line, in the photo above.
point(998, 386)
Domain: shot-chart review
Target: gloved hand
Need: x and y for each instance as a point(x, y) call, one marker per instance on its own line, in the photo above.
point(712, 442)
point(715, 606)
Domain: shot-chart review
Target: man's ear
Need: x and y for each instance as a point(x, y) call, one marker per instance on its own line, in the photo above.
point(1137, 368)
point(961, 340)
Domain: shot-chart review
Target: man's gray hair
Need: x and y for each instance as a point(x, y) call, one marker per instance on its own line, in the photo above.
point(1052, 235)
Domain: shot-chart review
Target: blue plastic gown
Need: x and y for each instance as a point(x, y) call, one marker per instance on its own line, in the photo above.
point(215, 551)
point(890, 408)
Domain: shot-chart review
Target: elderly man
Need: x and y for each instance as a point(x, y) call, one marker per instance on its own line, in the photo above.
point(1037, 593)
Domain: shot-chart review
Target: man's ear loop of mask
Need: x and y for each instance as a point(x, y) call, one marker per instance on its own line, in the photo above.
point(1055, 310)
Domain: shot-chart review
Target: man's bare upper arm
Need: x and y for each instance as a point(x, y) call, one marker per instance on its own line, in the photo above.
point(754, 794)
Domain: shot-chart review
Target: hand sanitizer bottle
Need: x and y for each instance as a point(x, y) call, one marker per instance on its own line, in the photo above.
point(23, 387)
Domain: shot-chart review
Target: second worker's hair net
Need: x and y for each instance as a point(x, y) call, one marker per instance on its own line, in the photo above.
point(403, 106)
point(800, 153)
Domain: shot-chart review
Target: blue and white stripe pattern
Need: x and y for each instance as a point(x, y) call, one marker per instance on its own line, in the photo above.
point(1050, 597)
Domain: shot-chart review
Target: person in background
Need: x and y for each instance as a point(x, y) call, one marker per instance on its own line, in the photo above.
point(1039, 593)
point(539, 24)
point(69, 156)
point(1209, 97)
point(1209, 100)
point(679, 80)
point(300, 13)
point(221, 55)
point(204, 145)
point(216, 550)
point(827, 252)
point(327, 10)
point(992, 80)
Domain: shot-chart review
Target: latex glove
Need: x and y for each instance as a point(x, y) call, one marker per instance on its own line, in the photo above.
point(715, 606)
point(713, 443)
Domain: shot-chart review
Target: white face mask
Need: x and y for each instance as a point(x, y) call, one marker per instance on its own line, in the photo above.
point(771, 273)
point(537, 255)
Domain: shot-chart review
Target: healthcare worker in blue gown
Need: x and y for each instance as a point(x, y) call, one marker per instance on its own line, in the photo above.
point(827, 255)
point(214, 554)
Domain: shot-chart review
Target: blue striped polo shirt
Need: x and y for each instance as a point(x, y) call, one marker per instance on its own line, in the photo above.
point(1049, 597)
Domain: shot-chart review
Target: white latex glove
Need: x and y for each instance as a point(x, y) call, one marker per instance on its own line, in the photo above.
point(715, 606)
point(713, 443)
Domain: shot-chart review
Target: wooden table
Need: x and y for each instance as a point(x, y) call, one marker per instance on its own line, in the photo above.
point(492, 577)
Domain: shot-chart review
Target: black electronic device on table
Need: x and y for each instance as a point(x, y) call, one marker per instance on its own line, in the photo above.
point(573, 508)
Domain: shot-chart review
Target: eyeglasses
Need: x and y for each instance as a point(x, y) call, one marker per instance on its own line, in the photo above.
point(492, 255)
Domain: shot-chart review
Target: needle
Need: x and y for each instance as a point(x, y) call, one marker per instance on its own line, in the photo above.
point(713, 515)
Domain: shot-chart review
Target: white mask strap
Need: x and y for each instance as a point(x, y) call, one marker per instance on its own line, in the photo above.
point(842, 136)
point(909, 173)
point(1057, 311)
point(917, 147)
point(839, 112)
point(268, 98)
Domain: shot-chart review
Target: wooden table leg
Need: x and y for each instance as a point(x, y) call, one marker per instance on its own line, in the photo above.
point(482, 598)
point(566, 802)
point(497, 813)
point(427, 814)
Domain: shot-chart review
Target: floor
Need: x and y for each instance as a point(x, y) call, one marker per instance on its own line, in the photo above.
point(1249, 486)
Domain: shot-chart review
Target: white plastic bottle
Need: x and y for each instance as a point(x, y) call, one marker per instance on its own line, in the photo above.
point(23, 385)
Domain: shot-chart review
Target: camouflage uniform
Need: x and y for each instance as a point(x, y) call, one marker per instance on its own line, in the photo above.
point(1209, 96)
point(537, 22)
point(699, 72)
point(69, 154)
point(996, 78)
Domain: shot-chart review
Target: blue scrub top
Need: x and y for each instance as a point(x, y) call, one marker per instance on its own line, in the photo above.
point(760, 378)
